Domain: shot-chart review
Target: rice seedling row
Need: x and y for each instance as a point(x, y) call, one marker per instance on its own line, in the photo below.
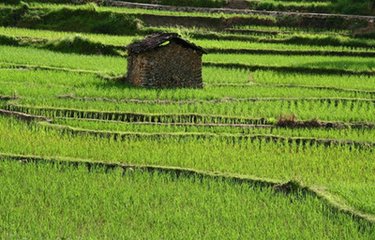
point(227, 137)
point(339, 131)
point(304, 110)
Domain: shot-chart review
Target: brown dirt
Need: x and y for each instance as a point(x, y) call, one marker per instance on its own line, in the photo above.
point(237, 4)
point(288, 188)
point(24, 116)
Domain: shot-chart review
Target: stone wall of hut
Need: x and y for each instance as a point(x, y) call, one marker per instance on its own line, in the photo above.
point(167, 66)
point(136, 69)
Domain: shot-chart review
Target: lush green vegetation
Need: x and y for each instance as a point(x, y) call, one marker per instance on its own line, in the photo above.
point(355, 7)
point(221, 86)
point(324, 6)
point(100, 43)
point(351, 134)
point(82, 19)
point(322, 62)
point(314, 165)
point(365, 7)
point(68, 202)
point(29, 56)
point(285, 98)
point(300, 6)
point(21, 36)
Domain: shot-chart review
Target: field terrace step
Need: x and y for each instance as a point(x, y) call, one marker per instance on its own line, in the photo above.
point(120, 50)
point(178, 119)
point(240, 17)
point(285, 187)
point(226, 10)
point(334, 101)
point(319, 20)
point(230, 138)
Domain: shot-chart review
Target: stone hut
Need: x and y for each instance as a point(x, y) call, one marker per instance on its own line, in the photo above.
point(165, 60)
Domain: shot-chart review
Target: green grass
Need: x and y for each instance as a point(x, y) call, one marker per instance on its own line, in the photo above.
point(333, 167)
point(83, 19)
point(275, 5)
point(49, 201)
point(334, 81)
point(340, 134)
point(53, 35)
point(218, 44)
point(143, 11)
point(191, 3)
point(38, 84)
point(351, 111)
point(31, 56)
point(320, 62)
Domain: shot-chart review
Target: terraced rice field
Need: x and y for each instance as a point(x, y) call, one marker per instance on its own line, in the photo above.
point(278, 144)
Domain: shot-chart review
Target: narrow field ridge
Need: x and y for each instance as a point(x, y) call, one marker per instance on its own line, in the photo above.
point(296, 124)
point(288, 187)
point(130, 117)
point(218, 100)
point(239, 125)
point(24, 116)
point(121, 136)
point(172, 118)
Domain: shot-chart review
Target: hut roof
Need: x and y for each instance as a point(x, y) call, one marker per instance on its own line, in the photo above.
point(155, 40)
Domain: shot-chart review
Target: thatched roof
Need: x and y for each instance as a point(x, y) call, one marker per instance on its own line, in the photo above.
point(156, 40)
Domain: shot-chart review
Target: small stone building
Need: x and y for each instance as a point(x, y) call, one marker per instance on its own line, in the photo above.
point(165, 60)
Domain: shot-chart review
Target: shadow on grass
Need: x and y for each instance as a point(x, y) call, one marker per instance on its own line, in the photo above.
point(368, 65)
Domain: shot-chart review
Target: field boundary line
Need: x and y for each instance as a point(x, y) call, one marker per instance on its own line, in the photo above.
point(334, 125)
point(216, 100)
point(239, 125)
point(121, 136)
point(129, 116)
point(285, 187)
point(70, 113)
point(24, 116)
